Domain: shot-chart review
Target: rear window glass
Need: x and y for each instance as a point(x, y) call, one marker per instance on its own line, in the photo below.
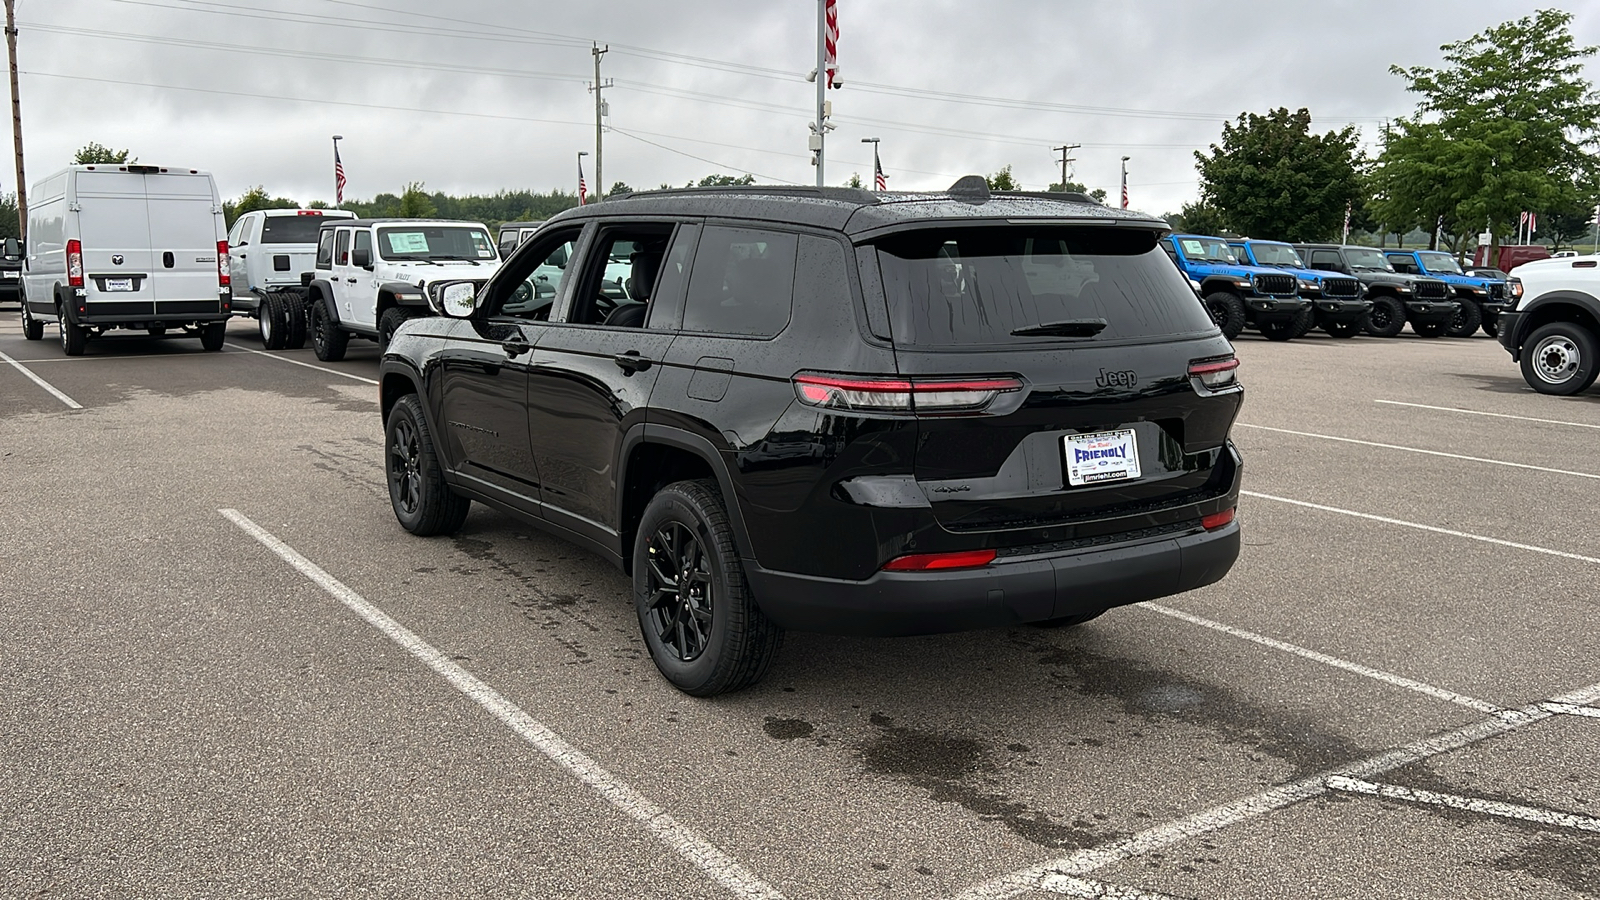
point(742, 282)
point(951, 287)
point(290, 229)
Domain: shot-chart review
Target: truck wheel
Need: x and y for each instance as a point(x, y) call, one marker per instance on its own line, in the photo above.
point(1560, 359)
point(32, 328)
point(1227, 311)
point(1466, 320)
point(271, 318)
point(326, 337)
point(1342, 329)
point(705, 632)
point(73, 337)
point(389, 323)
point(1280, 331)
point(422, 501)
point(1386, 318)
point(212, 335)
point(1491, 324)
point(294, 337)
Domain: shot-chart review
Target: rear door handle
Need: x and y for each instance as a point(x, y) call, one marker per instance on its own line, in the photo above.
point(631, 362)
point(516, 347)
point(350, 280)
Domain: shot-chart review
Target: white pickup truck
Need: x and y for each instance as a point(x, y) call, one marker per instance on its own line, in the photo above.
point(371, 275)
point(1552, 326)
point(271, 264)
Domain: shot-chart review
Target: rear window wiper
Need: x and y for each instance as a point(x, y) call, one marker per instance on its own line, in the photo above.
point(1065, 328)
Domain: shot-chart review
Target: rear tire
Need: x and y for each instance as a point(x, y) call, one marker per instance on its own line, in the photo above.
point(1342, 329)
point(422, 501)
point(1466, 320)
point(1227, 311)
point(212, 335)
point(705, 632)
point(272, 320)
point(1560, 359)
point(1386, 318)
point(32, 328)
point(326, 337)
point(295, 314)
point(73, 337)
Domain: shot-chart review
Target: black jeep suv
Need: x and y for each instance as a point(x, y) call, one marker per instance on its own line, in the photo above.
point(832, 410)
point(1396, 298)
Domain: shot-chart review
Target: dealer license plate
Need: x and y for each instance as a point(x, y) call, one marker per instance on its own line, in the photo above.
point(1102, 456)
point(119, 284)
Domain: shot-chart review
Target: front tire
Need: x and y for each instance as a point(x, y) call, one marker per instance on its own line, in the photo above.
point(705, 632)
point(32, 328)
point(327, 339)
point(1386, 317)
point(422, 502)
point(389, 323)
point(1491, 324)
point(272, 320)
point(1466, 320)
point(1227, 311)
point(1560, 359)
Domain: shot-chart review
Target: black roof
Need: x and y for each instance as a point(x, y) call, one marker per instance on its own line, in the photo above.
point(857, 211)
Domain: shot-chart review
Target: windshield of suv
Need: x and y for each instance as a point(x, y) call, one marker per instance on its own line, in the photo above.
point(430, 242)
point(1000, 285)
point(290, 229)
point(1364, 258)
point(1206, 250)
point(1441, 262)
point(1276, 255)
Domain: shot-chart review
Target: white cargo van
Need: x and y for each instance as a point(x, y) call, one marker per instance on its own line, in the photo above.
point(126, 246)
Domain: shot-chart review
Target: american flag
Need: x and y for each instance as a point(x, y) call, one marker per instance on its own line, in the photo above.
point(831, 13)
point(880, 181)
point(1124, 193)
point(583, 189)
point(338, 178)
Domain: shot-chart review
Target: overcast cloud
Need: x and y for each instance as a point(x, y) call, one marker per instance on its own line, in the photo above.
point(741, 104)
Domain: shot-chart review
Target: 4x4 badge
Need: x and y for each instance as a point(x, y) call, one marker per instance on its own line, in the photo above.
point(1126, 378)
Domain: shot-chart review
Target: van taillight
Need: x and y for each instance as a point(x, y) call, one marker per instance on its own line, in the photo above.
point(928, 395)
point(75, 264)
point(223, 277)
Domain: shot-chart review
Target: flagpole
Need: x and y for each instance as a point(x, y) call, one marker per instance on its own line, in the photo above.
point(1124, 181)
point(877, 166)
point(338, 192)
point(581, 190)
point(822, 83)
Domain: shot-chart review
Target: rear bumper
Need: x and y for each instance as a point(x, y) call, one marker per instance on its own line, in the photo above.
point(1001, 594)
point(125, 312)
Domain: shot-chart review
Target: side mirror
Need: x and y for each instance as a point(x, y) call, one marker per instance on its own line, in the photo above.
point(559, 258)
point(13, 247)
point(361, 257)
point(456, 299)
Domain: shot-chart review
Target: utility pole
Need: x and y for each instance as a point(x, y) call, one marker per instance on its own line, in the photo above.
point(16, 119)
point(600, 109)
point(1066, 157)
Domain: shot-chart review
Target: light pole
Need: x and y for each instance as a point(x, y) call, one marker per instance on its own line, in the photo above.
point(338, 174)
point(1125, 181)
point(879, 182)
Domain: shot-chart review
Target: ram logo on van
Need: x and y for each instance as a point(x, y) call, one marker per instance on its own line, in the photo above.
point(1126, 378)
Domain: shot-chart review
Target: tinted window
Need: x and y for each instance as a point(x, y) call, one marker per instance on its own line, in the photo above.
point(290, 229)
point(949, 287)
point(363, 241)
point(325, 250)
point(1326, 259)
point(341, 248)
point(742, 282)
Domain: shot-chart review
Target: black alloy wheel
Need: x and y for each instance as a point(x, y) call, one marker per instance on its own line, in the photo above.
point(1227, 312)
point(1467, 318)
point(681, 596)
point(422, 502)
point(1386, 317)
point(327, 338)
point(405, 481)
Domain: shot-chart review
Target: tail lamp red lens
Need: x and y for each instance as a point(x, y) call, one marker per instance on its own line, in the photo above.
point(1215, 374)
point(224, 278)
point(1217, 519)
point(901, 394)
point(928, 562)
point(75, 263)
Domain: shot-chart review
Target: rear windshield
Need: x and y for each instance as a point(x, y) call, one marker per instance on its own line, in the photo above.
point(290, 229)
point(953, 287)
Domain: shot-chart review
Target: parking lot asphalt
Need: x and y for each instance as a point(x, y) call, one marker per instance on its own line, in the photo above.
point(229, 672)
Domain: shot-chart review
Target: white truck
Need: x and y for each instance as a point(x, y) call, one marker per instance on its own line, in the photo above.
point(126, 246)
point(272, 253)
point(371, 275)
point(1552, 325)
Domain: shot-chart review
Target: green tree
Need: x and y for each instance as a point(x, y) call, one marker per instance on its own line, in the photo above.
point(722, 181)
point(9, 226)
point(1197, 218)
point(416, 204)
point(1075, 187)
point(1506, 125)
point(92, 154)
point(253, 199)
point(1002, 181)
point(855, 180)
point(619, 188)
point(1562, 225)
point(1272, 178)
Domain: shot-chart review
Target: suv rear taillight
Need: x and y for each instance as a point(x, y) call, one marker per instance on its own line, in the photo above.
point(1217, 519)
point(928, 562)
point(929, 395)
point(1214, 374)
point(75, 264)
point(223, 277)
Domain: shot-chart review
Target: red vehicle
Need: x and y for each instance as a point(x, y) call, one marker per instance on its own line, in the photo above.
point(1511, 255)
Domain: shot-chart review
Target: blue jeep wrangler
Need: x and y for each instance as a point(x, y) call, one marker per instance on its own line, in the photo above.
point(1482, 299)
point(1237, 294)
point(1338, 304)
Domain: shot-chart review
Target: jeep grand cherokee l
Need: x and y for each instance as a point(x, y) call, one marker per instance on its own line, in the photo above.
point(832, 410)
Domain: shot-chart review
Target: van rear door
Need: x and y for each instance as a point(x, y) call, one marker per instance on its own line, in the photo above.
point(114, 228)
point(184, 232)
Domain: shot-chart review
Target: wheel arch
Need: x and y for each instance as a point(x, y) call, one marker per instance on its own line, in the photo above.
point(654, 455)
point(320, 289)
point(396, 381)
point(1559, 306)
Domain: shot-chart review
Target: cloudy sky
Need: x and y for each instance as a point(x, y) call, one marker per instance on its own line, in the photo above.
point(483, 95)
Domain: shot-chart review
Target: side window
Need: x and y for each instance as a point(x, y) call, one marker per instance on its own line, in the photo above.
point(620, 276)
point(1403, 263)
point(325, 249)
point(532, 281)
point(363, 241)
point(237, 234)
point(1241, 253)
point(508, 243)
point(1326, 259)
point(742, 283)
point(341, 248)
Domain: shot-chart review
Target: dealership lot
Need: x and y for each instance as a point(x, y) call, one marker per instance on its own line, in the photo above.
point(228, 670)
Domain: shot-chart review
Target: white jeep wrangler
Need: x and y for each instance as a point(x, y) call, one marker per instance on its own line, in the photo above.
point(1552, 326)
point(373, 274)
point(270, 267)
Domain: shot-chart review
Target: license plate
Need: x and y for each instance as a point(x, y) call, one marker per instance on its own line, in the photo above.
point(119, 284)
point(7, 273)
point(1102, 456)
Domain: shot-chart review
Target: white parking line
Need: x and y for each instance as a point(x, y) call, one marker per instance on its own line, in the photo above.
point(1435, 529)
point(1389, 678)
point(1477, 459)
point(1104, 890)
point(1471, 804)
point(1474, 412)
point(1068, 869)
point(1568, 709)
point(682, 839)
point(297, 362)
point(71, 403)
